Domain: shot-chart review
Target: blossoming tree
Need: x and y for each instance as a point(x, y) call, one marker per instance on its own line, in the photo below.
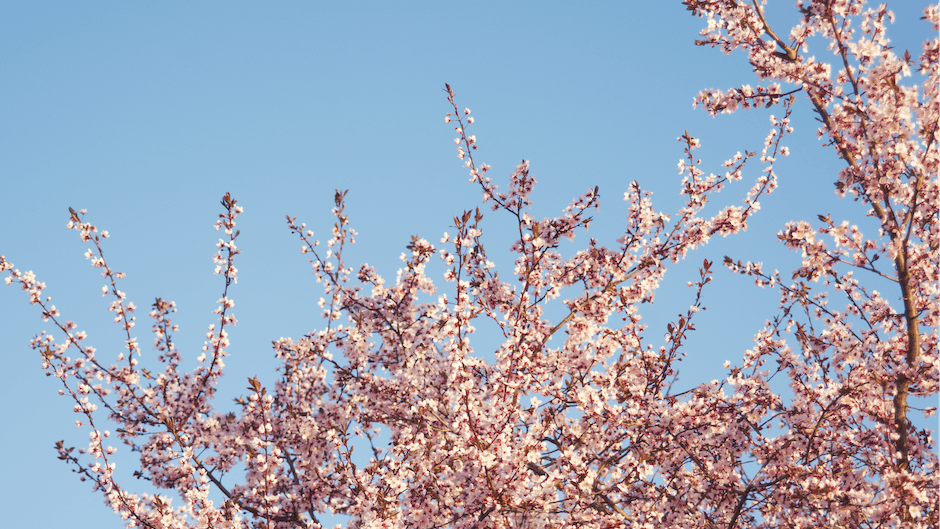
point(851, 385)
point(574, 421)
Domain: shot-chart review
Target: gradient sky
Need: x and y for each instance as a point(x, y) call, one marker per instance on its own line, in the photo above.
point(146, 113)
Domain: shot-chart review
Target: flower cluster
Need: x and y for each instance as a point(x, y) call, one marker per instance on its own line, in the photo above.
point(544, 433)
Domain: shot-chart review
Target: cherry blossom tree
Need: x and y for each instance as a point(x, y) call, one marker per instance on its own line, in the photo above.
point(856, 366)
point(574, 421)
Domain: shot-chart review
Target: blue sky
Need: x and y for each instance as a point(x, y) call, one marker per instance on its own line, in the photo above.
point(147, 113)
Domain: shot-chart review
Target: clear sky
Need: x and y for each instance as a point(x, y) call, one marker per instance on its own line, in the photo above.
point(146, 113)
